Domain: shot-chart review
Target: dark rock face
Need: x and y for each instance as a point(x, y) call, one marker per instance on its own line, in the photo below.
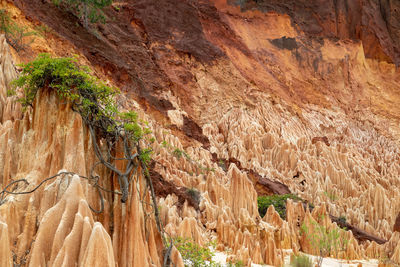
point(376, 22)
point(285, 43)
point(396, 227)
point(323, 139)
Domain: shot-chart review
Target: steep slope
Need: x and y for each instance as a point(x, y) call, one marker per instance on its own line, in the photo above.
point(286, 90)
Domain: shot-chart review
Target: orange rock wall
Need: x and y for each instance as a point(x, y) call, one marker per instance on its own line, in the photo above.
point(242, 84)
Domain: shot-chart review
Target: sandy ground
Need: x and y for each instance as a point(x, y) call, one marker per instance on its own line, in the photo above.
point(221, 257)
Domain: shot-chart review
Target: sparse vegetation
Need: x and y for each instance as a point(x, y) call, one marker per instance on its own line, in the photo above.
point(222, 165)
point(235, 264)
point(342, 219)
point(86, 10)
point(325, 241)
point(331, 195)
point(179, 153)
point(194, 193)
point(43, 30)
point(278, 201)
point(15, 34)
point(301, 261)
point(193, 254)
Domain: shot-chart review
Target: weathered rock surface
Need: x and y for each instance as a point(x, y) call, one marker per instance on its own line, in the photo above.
point(306, 99)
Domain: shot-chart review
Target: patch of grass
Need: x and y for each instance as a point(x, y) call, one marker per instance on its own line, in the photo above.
point(235, 264)
point(301, 261)
point(331, 195)
point(278, 201)
point(179, 153)
point(324, 240)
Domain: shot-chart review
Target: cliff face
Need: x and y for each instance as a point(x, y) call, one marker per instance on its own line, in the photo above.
point(305, 93)
point(375, 23)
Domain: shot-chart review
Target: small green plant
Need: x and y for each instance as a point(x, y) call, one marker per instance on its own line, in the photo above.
point(193, 254)
point(235, 264)
point(342, 219)
point(15, 34)
point(179, 153)
point(204, 169)
point(145, 155)
point(331, 195)
point(278, 201)
point(325, 241)
point(87, 10)
point(222, 165)
point(44, 30)
point(194, 193)
point(301, 261)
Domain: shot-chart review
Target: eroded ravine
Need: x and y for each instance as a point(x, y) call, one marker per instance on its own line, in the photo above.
point(217, 82)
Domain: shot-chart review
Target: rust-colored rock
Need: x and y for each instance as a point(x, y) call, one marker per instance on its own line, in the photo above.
point(396, 227)
point(323, 139)
point(243, 92)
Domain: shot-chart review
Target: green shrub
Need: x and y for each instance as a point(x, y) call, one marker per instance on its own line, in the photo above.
point(193, 254)
point(87, 10)
point(95, 102)
point(278, 201)
point(71, 82)
point(301, 261)
point(325, 241)
point(342, 219)
point(178, 153)
point(92, 98)
point(15, 34)
point(194, 193)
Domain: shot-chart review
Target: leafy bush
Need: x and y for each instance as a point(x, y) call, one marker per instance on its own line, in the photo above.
point(193, 254)
point(87, 10)
point(278, 201)
point(325, 241)
point(15, 34)
point(194, 193)
point(301, 261)
point(92, 98)
point(342, 219)
point(95, 102)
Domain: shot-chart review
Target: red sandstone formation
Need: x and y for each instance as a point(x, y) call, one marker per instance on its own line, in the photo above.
point(266, 97)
